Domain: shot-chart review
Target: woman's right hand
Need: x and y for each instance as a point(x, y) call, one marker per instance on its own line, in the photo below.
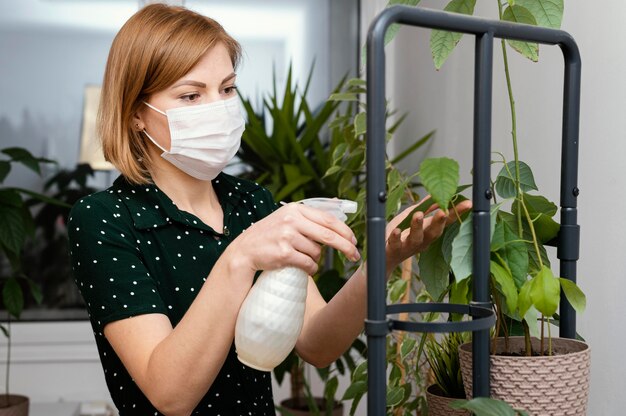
point(293, 235)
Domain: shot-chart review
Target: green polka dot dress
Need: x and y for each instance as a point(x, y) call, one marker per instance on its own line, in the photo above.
point(134, 252)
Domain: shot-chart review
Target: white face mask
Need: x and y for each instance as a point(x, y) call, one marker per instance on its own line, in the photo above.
point(204, 138)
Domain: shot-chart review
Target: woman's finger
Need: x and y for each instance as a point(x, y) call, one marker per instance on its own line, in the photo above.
point(416, 235)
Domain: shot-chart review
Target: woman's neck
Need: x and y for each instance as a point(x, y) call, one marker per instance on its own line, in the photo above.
point(188, 193)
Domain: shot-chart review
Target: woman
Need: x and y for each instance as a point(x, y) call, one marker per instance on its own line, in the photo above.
point(161, 257)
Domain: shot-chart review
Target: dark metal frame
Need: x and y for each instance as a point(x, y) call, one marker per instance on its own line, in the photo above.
point(377, 325)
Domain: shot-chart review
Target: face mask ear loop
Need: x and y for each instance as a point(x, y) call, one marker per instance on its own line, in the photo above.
point(153, 141)
point(154, 108)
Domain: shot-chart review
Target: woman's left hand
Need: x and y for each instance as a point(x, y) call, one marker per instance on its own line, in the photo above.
point(423, 231)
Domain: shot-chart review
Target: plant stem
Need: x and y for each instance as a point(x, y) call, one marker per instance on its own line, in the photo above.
point(8, 357)
point(518, 188)
point(542, 325)
point(529, 345)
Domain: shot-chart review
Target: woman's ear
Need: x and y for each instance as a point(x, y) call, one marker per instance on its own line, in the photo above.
point(137, 122)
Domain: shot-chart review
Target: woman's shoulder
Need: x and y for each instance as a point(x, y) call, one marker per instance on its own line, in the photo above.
point(102, 203)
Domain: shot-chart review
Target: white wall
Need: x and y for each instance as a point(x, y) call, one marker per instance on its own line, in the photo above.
point(443, 101)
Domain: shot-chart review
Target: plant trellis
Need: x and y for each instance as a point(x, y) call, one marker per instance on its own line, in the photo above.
point(377, 324)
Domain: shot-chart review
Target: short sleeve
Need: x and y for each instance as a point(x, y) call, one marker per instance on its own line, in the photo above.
point(107, 263)
point(264, 203)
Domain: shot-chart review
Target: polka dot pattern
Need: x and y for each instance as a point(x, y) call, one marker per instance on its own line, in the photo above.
point(134, 252)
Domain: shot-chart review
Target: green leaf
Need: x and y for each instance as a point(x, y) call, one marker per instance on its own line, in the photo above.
point(408, 345)
point(524, 302)
point(11, 198)
point(537, 204)
point(442, 42)
point(545, 292)
point(483, 406)
point(5, 168)
point(497, 240)
point(459, 292)
point(339, 152)
point(360, 124)
point(5, 331)
point(330, 389)
point(461, 262)
point(547, 13)
point(574, 295)
point(505, 283)
point(397, 290)
point(360, 372)
point(515, 254)
point(440, 177)
point(540, 210)
point(505, 183)
point(332, 170)
point(534, 266)
point(35, 290)
point(356, 388)
point(24, 157)
point(449, 234)
point(13, 297)
point(519, 14)
point(344, 96)
point(434, 271)
point(532, 320)
point(419, 143)
point(12, 231)
point(41, 197)
point(395, 396)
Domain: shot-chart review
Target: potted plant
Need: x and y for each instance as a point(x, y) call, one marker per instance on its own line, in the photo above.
point(443, 359)
point(16, 226)
point(524, 290)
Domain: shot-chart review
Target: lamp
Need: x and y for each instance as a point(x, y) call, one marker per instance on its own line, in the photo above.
point(90, 148)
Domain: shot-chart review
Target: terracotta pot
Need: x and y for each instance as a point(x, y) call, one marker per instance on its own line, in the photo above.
point(18, 405)
point(321, 404)
point(556, 385)
point(438, 405)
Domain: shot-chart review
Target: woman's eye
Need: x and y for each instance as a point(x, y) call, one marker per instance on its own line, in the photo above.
point(230, 90)
point(191, 97)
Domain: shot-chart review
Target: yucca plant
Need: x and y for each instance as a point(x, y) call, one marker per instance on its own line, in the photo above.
point(285, 148)
point(443, 358)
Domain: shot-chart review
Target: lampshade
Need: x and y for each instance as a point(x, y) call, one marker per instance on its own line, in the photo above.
point(90, 148)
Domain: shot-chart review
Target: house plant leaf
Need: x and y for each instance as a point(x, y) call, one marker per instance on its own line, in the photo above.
point(434, 271)
point(483, 406)
point(5, 168)
point(443, 42)
point(12, 231)
point(518, 14)
point(574, 295)
point(13, 297)
point(461, 261)
point(505, 182)
point(524, 301)
point(505, 284)
point(547, 13)
point(514, 253)
point(440, 177)
point(545, 292)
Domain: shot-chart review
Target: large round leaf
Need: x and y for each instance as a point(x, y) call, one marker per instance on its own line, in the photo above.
point(440, 177)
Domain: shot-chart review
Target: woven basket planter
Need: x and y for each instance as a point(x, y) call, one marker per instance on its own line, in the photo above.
point(17, 406)
point(556, 385)
point(438, 404)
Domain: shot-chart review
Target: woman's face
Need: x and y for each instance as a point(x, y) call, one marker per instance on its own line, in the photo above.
point(212, 79)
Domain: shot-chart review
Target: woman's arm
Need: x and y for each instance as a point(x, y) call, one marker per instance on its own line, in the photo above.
point(174, 368)
point(329, 329)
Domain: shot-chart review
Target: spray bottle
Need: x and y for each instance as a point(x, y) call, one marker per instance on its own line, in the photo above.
point(271, 317)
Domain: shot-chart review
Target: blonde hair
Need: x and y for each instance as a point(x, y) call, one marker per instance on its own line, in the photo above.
point(156, 47)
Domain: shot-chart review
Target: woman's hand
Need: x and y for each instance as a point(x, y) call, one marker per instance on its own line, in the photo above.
point(423, 231)
point(293, 236)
